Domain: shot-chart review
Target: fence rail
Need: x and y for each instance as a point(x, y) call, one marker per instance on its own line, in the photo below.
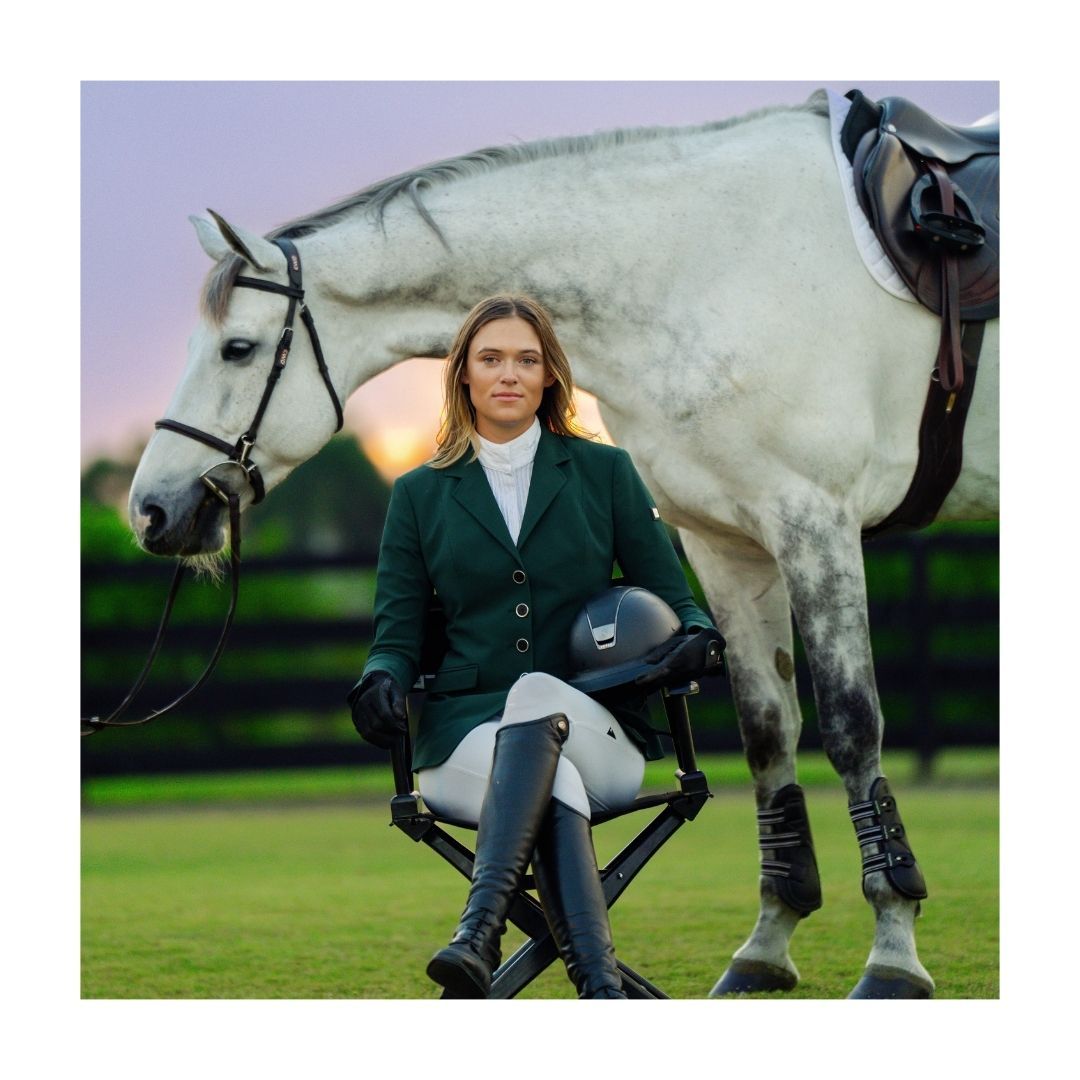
point(278, 697)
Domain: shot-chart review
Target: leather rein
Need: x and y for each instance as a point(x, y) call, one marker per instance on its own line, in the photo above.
point(238, 456)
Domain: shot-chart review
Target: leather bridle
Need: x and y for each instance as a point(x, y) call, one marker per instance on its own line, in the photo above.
point(238, 456)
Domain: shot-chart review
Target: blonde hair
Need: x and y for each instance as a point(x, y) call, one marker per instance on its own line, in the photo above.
point(457, 432)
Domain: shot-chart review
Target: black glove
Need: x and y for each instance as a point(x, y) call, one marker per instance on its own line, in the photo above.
point(378, 709)
point(684, 657)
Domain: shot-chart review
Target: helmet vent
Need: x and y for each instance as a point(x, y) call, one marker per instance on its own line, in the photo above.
point(613, 633)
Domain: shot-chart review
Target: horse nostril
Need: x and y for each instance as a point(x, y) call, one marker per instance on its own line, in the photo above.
point(156, 521)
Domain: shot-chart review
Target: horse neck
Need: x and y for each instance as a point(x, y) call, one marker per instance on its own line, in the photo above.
point(568, 230)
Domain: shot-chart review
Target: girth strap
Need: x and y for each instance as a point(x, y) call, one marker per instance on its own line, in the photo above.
point(941, 443)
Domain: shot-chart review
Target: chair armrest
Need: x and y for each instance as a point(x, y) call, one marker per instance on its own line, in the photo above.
point(678, 718)
point(401, 759)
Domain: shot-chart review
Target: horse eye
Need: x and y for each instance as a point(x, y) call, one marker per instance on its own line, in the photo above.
point(237, 349)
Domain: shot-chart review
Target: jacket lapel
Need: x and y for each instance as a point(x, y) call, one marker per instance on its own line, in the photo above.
point(474, 494)
point(546, 482)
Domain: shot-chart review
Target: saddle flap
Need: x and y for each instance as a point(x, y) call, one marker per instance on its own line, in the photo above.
point(890, 175)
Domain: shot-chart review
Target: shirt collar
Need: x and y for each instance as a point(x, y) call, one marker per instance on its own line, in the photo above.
point(508, 456)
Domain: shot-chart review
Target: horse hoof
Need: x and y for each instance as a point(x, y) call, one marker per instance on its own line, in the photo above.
point(885, 983)
point(753, 977)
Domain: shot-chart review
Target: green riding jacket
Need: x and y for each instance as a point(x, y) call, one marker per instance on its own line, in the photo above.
point(509, 606)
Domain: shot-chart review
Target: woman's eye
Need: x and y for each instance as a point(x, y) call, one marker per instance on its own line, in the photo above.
point(529, 360)
point(237, 349)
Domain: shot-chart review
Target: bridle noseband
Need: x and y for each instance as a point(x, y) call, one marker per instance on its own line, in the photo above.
point(238, 454)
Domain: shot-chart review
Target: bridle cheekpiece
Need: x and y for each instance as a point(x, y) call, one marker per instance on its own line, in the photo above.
point(238, 454)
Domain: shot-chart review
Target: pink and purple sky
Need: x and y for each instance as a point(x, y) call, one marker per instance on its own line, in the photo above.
point(264, 152)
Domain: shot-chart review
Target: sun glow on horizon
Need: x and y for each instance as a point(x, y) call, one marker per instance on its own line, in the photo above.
point(396, 450)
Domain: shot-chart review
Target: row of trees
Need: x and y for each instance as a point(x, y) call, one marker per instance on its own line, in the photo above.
point(333, 504)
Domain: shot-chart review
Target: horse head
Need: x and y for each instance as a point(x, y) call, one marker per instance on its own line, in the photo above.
point(234, 392)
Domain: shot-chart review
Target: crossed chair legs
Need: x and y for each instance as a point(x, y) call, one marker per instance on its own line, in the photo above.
point(520, 822)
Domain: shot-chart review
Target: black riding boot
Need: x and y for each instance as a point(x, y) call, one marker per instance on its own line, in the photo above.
point(564, 865)
point(518, 793)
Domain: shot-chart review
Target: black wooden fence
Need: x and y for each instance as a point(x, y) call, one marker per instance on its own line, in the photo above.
point(303, 631)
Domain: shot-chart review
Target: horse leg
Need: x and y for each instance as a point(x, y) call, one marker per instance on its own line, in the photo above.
point(747, 596)
point(820, 555)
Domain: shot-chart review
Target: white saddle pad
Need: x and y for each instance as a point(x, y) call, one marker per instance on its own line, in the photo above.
point(872, 253)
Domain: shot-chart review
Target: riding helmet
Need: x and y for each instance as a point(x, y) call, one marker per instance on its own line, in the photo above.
point(613, 632)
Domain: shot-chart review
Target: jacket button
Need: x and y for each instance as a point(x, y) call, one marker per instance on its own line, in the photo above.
point(522, 645)
point(519, 577)
point(521, 610)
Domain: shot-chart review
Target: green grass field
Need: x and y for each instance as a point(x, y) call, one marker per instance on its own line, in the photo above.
point(280, 896)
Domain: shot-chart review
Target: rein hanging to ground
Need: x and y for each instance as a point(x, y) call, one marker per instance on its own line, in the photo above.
point(238, 456)
point(90, 724)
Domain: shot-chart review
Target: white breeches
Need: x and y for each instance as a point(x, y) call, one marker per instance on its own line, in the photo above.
point(599, 769)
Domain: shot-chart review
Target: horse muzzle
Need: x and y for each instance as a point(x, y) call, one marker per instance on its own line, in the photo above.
point(192, 523)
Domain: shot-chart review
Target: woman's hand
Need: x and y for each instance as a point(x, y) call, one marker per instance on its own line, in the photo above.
point(378, 709)
point(685, 657)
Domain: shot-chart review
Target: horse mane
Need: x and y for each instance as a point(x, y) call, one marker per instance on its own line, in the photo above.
point(378, 196)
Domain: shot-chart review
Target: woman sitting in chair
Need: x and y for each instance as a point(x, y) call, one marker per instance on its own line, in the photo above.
point(515, 523)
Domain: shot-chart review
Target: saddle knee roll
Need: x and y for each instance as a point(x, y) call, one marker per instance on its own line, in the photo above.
point(883, 842)
point(787, 850)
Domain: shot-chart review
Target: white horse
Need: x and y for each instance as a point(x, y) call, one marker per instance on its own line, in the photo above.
point(706, 286)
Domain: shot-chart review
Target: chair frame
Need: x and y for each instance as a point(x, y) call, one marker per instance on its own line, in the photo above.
point(539, 951)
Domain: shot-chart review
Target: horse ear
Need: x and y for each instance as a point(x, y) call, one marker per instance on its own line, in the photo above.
point(256, 250)
point(210, 238)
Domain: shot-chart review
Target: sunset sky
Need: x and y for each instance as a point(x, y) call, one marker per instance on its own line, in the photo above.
point(152, 153)
point(262, 153)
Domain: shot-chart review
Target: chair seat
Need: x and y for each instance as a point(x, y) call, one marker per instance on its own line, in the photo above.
point(642, 802)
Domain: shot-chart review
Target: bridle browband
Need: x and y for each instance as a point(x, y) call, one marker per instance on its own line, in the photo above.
point(238, 454)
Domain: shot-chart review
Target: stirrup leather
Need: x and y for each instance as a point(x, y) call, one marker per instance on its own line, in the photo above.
point(787, 850)
point(883, 842)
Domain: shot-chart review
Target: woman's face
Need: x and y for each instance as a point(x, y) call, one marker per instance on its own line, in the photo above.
point(506, 376)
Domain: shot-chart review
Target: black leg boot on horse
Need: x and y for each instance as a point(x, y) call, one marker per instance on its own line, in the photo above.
point(518, 794)
point(564, 865)
point(886, 853)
